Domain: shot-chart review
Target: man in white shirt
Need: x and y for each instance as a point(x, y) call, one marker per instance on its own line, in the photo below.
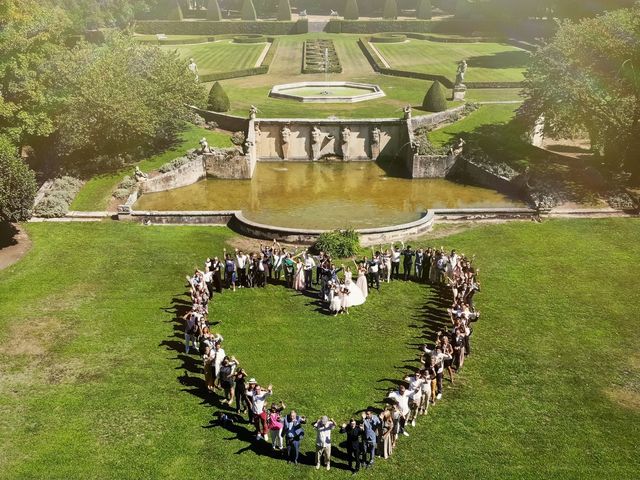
point(395, 261)
point(309, 264)
point(258, 398)
point(323, 428)
point(241, 260)
point(401, 396)
point(415, 398)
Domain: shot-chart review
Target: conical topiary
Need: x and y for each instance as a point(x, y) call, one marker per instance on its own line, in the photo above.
point(218, 99)
point(423, 12)
point(284, 10)
point(213, 11)
point(435, 100)
point(175, 12)
point(390, 9)
point(248, 11)
point(351, 10)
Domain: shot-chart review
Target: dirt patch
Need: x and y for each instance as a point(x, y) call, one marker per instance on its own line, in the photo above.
point(625, 398)
point(31, 337)
point(14, 244)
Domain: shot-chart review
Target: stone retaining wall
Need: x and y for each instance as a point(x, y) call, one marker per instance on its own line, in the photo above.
point(435, 119)
point(187, 174)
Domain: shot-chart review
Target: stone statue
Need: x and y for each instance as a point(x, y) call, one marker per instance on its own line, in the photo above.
point(303, 14)
point(457, 148)
point(194, 68)
point(253, 111)
point(345, 134)
point(333, 13)
point(461, 72)
point(316, 134)
point(256, 128)
point(139, 175)
point(248, 145)
point(204, 146)
point(285, 134)
point(407, 112)
point(375, 136)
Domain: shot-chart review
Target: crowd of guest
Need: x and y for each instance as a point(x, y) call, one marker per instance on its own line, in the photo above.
point(375, 434)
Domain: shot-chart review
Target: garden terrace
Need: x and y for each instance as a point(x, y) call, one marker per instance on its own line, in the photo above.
point(320, 56)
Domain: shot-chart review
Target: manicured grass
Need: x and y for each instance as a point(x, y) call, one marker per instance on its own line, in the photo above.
point(96, 193)
point(222, 56)
point(286, 68)
point(485, 115)
point(94, 383)
point(488, 62)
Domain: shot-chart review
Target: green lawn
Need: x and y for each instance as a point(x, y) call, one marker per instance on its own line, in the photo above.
point(96, 193)
point(488, 62)
point(485, 115)
point(222, 56)
point(94, 383)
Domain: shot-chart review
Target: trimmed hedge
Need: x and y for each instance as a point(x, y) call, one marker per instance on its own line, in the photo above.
point(435, 100)
point(284, 10)
point(378, 26)
point(181, 41)
point(251, 38)
point(218, 99)
point(389, 38)
point(205, 27)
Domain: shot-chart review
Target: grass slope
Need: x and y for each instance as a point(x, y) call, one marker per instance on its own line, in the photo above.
point(93, 383)
point(96, 193)
point(488, 62)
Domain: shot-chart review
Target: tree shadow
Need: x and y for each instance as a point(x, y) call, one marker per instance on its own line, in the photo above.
point(8, 233)
point(509, 59)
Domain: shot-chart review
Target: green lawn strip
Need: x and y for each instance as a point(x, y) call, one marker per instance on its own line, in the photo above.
point(485, 115)
point(224, 56)
point(95, 388)
point(488, 62)
point(96, 193)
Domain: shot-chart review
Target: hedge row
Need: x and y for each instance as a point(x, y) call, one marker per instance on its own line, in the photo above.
point(176, 41)
point(171, 27)
point(247, 72)
point(252, 38)
point(530, 29)
point(389, 38)
point(378, 26)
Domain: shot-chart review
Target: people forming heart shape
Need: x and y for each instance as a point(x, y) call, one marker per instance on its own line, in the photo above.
point(375, 432)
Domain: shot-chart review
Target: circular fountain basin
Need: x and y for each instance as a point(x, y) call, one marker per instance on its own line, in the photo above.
point(327, 92)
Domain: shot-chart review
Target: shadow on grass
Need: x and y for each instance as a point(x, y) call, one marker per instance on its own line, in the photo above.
point(513, 59)
point(8, 233)
point(428, 319)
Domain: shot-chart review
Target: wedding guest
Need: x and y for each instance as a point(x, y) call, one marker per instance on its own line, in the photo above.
point(323, 428)
point(401, 397)
point(275, 425)
point(407, 261)
point(395, 262)
point(242, 403)
point(386, 427)
point(242, 261)
point(293, 433)
point(227, 378)
point(258, 398)
point(230, 275)
point(309, 265)
point(371, 426)
point(355, 436)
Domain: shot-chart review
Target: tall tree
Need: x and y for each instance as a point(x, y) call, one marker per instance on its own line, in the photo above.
point(248, 11)
point(423, 11)
point(284, 10)
point(31, 32)
point(119, 96)
point(213, 11)
point(351, 10)
point(390, 10)
point(588, 79)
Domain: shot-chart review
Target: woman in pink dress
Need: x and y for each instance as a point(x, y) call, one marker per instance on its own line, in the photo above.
point(298, 279)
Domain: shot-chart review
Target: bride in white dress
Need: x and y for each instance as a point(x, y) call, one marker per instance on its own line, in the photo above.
point(355, 296)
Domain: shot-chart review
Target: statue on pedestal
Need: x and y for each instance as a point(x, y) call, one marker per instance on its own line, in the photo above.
point(375, 143)
point(285, 136)
point(253, 112)
point(204, 146)
point(461, 72)
point(407, 112)
point(316, 139)
point(194, 68)
point(139, 175)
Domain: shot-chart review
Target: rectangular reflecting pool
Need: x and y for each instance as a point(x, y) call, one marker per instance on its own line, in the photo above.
point(325, 195)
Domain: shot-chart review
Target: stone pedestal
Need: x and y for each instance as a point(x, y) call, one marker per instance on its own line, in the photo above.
point(459, 92)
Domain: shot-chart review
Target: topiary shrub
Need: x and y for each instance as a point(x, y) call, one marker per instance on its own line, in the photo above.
point(213, 11)
point(175, 13)
point(390, 10)
point(248, 11)
point(435, 100)
point(218, 99)
point(339, 243)
point(423, 12)
point(284, 10)
point(351, 10)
